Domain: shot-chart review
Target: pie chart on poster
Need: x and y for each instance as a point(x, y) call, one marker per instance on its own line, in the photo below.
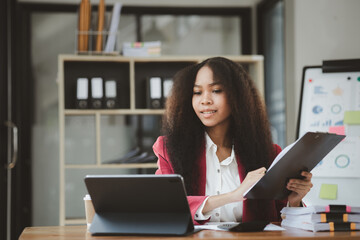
point(342, 161)
point(317, 109)
point(336, 109)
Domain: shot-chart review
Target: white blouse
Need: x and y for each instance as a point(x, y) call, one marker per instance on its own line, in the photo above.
point(221, 177)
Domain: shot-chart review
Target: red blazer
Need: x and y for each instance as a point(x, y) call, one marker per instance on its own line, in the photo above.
point(252, 209)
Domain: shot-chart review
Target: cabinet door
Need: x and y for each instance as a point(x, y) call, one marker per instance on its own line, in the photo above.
point(117, 138)
point(80, 140)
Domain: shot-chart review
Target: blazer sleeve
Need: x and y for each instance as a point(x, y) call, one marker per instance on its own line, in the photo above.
point(165, 167)
point(279, 204)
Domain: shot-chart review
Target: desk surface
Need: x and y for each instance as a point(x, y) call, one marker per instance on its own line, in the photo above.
point(80, 233)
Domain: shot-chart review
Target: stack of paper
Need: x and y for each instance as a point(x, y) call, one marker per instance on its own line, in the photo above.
point(322, 218)
point(142, 49)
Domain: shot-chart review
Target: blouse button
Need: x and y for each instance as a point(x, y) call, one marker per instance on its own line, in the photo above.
point(196, 215)
point(218, 170)
point(218, 192)
point(217, 214)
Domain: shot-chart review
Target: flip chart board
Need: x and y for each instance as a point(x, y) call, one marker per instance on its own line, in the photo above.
point(330, 102)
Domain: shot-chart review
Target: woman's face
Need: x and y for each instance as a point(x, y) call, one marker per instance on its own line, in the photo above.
point(209, 100)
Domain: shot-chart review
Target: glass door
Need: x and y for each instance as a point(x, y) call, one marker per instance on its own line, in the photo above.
point(3, 118)
point(6, 125)
point(15, 187)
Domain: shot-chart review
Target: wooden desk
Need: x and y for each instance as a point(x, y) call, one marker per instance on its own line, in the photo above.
point(80, 233)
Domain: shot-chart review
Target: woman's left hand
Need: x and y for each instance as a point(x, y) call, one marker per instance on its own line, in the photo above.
point(299, 188)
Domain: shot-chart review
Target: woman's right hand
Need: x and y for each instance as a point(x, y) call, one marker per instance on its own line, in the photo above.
point(251, 178)
point(216, 201)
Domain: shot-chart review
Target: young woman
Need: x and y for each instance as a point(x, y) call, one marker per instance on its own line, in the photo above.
point(217, 136)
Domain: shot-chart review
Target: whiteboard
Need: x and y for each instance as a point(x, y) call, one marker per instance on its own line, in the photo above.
point(325, 99)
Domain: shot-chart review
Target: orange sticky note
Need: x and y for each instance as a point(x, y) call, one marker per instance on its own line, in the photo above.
point(340, 130)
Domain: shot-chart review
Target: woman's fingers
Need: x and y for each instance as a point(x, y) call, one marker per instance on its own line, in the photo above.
point(307, 175)
point(251, 178)
point(254, 176)
point(257, 174)
point(301, 186)
point(260, 170)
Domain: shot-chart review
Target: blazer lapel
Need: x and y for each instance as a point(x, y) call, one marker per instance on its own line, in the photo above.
point(241, 169)
point(202, 171)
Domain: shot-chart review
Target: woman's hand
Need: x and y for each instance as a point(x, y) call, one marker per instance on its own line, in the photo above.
point(299, 188)
point(236, 195)
point(251, 178)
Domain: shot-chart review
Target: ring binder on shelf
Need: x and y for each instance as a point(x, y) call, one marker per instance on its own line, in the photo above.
point(82, 93)
point(167, 85)
point(110, 94)
point(154, 90)
point(96, 92)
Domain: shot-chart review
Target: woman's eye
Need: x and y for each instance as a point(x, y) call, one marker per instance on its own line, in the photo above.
point(197, 93)
point(217, 91)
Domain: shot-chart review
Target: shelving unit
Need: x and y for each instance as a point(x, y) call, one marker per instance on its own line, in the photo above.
point(131, 74)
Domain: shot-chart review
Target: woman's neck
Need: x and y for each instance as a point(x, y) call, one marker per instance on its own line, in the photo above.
point(220, 137)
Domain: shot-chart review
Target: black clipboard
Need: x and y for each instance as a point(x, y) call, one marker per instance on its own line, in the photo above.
point(305, 154)
point(139, 204)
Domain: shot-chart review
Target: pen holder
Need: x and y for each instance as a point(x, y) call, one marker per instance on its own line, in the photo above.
point(96, 43)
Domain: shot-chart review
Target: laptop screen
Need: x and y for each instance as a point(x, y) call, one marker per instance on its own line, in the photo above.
point(139, 205)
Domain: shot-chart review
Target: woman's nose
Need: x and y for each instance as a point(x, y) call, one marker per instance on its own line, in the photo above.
point(206, 99)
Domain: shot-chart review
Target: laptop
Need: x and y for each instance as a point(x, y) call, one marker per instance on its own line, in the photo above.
point(139, 204)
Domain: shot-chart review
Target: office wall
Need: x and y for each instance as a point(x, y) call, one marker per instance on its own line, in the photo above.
point(316, 31)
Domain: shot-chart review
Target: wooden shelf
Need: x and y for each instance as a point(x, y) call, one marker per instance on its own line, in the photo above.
point(108, 166)
point(69, 112)
point(242, 58)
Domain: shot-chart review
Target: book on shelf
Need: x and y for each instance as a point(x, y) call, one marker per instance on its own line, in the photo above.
point(113, 29)
point(142, 49)
point(322, 218)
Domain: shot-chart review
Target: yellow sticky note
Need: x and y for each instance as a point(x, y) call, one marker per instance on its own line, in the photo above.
point(328, 191)
point(352, 117)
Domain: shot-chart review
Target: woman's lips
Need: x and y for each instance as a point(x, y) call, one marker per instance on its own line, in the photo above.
point(208, 113)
